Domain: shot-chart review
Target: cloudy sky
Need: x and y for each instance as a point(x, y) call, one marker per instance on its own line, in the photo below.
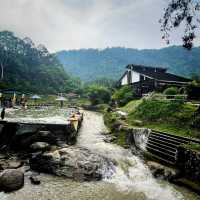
point(74, 24)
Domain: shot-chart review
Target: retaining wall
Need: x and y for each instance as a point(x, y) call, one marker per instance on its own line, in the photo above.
point(15, 135)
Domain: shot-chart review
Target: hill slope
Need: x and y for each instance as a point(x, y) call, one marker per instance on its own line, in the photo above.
point(90, 64)
point(30, 68)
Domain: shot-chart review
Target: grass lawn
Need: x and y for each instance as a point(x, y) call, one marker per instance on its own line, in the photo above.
point(174, 129)
point(131, 106)
point(166, 116)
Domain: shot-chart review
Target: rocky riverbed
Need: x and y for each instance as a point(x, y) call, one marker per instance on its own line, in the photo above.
point(120, 174)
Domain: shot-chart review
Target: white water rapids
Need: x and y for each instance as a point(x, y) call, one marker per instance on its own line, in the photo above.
point(131, 179)
point(131, 175)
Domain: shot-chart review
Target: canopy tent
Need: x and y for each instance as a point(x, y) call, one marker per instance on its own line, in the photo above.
point(35, 97)
point(61, 99)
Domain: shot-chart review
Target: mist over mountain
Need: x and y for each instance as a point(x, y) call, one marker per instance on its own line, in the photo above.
point(91, 64)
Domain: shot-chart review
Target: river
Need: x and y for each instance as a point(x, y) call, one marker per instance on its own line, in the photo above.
point(131, 179)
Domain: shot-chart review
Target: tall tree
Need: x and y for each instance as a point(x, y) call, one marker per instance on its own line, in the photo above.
point(8, 47)
point(181, 12)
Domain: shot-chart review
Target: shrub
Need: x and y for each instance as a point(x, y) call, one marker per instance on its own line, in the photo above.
point(98, 94)
point(193, 90)
point(124, 95)
point(150, 110)
point(171, 91)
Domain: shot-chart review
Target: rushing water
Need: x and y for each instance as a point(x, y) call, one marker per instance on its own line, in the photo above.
point(131, 179)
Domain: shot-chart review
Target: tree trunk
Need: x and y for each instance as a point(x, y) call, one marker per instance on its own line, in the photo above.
point(2, 71)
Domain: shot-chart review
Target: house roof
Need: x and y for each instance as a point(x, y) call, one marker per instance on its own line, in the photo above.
point(157, 73)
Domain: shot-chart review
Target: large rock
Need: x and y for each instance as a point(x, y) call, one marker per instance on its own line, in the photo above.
point(72, 162)
point(10, 164)
point(11, 180)
point(40, 146)
point(160, 171)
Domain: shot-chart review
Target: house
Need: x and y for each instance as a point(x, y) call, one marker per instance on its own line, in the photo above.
point(146, 79)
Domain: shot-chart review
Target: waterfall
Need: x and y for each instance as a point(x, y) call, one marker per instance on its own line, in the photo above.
point(130, 174)
point(140, 136)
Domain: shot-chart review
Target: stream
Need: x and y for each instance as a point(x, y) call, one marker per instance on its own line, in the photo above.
point(130, 179)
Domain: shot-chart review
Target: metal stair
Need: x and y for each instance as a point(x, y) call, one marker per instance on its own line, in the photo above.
point(164, 145)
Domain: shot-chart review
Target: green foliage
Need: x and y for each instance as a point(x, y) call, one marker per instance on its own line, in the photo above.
point(173, 117)
point(90, 64)
point(196, 122)
point(171, 91)
point(131, 106)
point(105, 82)
point(196, 78)
point(193, 146)
point(124, 95)
point(32, 69)
point(151, 110)
point(193, 90)
point(98, 94)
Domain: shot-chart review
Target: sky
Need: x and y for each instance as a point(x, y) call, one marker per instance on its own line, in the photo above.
point(75, 24)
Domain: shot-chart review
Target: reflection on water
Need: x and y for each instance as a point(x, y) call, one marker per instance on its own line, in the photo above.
point(131, 180)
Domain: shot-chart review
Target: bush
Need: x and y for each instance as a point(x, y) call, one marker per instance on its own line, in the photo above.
point(124, 95)
point(171, 91)
point(98, 94)
point(193, 90)
point(150, 110)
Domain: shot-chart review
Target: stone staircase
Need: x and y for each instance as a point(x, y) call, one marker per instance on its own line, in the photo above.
point(164, 145)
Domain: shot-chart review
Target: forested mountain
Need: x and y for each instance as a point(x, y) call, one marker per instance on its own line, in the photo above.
point(29, 68)
point(90, 64)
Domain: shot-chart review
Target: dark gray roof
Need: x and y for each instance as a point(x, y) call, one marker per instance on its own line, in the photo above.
point(158, 73)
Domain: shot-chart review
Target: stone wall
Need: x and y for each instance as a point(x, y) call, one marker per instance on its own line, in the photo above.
point(189, 163)
point(14, 135)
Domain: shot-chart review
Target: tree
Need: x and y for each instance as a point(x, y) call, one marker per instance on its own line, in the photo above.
point(179, 12)
point(98, 94)
point(124, 95)
point(7, 47)
point(171, 91)
point(32, 69)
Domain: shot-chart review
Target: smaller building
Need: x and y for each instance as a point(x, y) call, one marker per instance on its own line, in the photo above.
point(146, 79)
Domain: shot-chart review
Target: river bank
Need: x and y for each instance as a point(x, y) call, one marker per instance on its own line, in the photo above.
point(183, 171)
point(128, 179)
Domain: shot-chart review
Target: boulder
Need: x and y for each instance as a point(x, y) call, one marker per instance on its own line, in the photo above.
point(34, 180)
point(10, 164)
point(14, 164)
point(40, 146)
point(163, 172)
point(72, 162)
point(11, 179)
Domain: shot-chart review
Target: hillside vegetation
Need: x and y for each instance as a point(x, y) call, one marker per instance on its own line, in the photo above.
point(90, 64)
point(31, 68)
point(174, 117)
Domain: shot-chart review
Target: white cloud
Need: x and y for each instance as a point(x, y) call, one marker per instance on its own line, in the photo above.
point(73, 24)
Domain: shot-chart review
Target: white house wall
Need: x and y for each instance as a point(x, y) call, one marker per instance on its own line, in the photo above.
point(135, 77)
point(124, 80)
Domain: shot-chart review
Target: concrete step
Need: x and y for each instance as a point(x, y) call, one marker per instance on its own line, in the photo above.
point(177, 137)
point(161, 145)
point(170, 137)
point(165, 146)
point(167, 139)
point(161, 154)
point(166, 143)
point(164, 150)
